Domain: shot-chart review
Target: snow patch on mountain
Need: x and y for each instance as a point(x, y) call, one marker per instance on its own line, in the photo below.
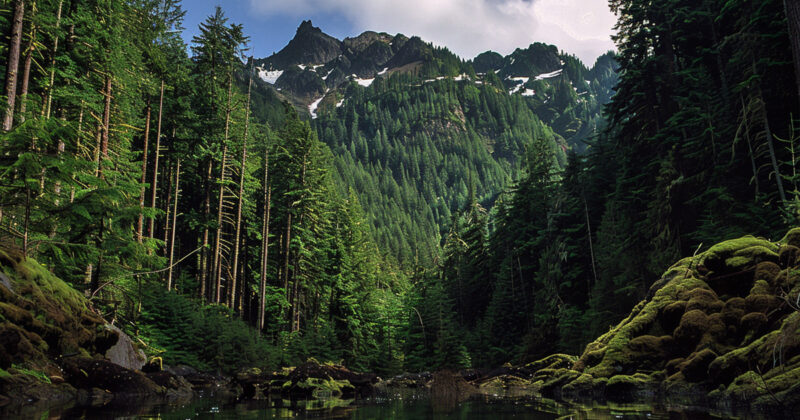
point(269, 76)
point(529, 92)
point(312, 109)
point(382, 72)
point(362, 82)
point(549, 75)
point(515, 89)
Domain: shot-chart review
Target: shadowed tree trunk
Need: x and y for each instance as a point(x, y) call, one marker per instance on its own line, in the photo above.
point(157, 151)
point(13, 63)
point(174, 221)
point(218, 247)
point(140, 222)
point(26, 67)
point(238, 230)
point(53, 63)
point(793, 18)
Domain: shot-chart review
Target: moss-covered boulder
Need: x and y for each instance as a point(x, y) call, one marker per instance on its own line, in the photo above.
point(711, 323)
point(319, 379)
point(49, 332)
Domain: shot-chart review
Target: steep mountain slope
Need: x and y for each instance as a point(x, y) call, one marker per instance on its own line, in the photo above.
point(416, 130)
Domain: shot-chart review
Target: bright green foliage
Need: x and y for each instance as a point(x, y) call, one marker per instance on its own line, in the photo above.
point(181, 331)
point(409, 147)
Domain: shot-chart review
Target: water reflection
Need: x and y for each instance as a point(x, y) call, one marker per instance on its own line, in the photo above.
point(397, 406)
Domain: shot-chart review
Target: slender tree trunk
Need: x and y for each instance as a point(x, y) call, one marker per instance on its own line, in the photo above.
point(591, 246)
point(205, 291)
point(287, 251)
point(262, 290)
point(95, 274)
point(27, 221)
point(218, 246)
point(13, 63)
point(773, 159)
point(174, 225)
point(140, 223)
point(78, 146)
point(217, 265)
point(154, 192)
point(98, 139)
point(242, 171)
point(168, 206)
point(106, 117)
point(768, 132)
point(53, 61)
point(793, 18)
point(293, 301)
point(102, 131)
point(26, 67)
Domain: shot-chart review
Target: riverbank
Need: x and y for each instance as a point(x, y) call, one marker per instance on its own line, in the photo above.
point(720, 329)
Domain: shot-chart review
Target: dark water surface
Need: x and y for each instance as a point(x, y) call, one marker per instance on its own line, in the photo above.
point(410, 408)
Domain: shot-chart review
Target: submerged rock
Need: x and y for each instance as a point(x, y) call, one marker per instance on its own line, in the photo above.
point(88, 373)
point(315, 379)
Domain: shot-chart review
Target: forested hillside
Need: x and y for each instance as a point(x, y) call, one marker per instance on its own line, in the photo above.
point(414, 128)
point(701, 147)
point(129, 166)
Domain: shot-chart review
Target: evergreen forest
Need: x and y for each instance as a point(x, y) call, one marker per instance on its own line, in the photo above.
point(428, 212)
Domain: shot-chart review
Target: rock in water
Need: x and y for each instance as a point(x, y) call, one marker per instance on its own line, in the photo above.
point(87, 373)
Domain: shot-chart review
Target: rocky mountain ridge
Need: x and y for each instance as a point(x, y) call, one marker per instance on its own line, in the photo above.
point(314, 66)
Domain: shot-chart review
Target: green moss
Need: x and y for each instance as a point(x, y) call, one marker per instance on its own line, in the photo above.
point(4, 373)
point(692, 326)
point(582, 384)
point(505, 382)
point(767, 271)
point(51, 287)
point(35, 373)
point(744, 246)
point(695, 368)
point(321, 387)
point(753, 322)
point(792, 237)
point(554, 361)
point(622, 384)
point(761, 287)
point(559, 378)
point(703, 299)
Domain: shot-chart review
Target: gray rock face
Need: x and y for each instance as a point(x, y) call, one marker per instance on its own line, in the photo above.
point(123, 353)
point(309, 46)
point(5, 282)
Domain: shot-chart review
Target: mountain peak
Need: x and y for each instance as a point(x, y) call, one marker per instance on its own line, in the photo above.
point(307, 26)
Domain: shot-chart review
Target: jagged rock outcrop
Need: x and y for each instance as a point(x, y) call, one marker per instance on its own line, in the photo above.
point(309, 46)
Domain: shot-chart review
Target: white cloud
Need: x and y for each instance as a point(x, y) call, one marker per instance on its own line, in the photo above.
point(469, 27)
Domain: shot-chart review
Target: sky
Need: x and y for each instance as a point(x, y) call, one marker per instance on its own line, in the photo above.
point(466, 27)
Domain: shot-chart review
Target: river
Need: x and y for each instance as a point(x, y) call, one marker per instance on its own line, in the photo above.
point(394, 408)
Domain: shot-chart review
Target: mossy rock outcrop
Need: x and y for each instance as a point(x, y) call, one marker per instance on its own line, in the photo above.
point(708, 324)
point(313, 379)
point(53, 345)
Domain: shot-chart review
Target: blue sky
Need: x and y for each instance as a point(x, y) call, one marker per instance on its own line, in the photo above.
point(467, 27)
